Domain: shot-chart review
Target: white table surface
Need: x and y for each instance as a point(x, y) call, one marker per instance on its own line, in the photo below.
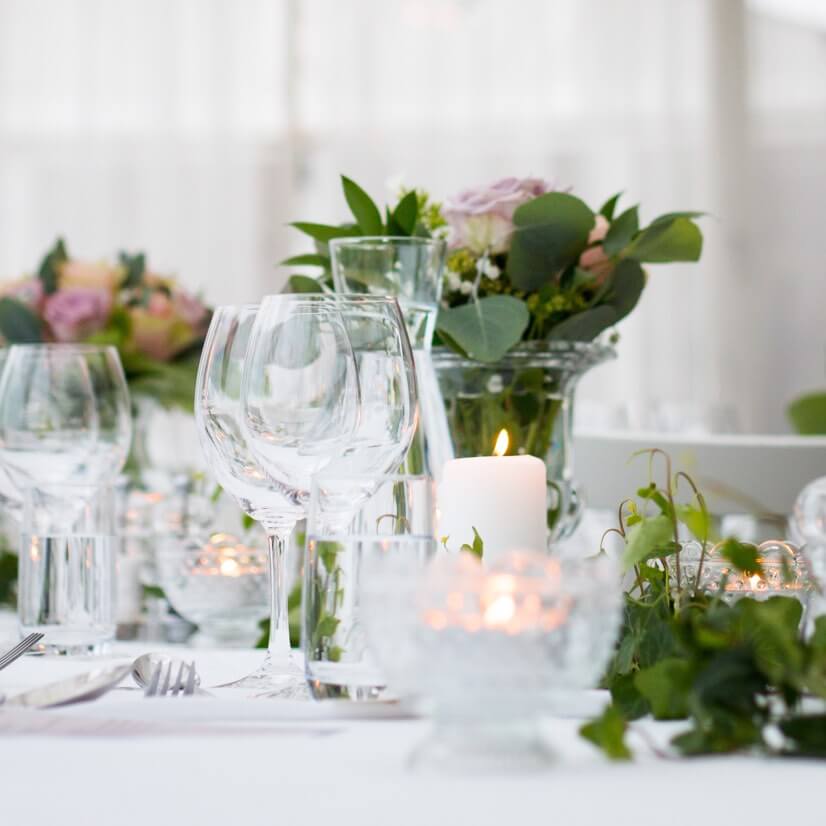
point(235, 762)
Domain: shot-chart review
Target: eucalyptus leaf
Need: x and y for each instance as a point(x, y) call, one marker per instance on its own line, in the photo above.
point(587, 325)
point(135, 266)
point(48, 271)
point(550, 233)
point(668, 239)
point(484, 329)
point(302, 284)
point(18, 324)
point(627, 285)
point(364, 210)
point(621, 231)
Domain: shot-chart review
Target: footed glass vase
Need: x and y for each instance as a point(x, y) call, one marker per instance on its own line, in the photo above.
point(529, 394)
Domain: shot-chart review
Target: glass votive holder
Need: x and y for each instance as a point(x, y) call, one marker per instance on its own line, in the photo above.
point(221, 586)
point(783, 571)
point(494, 645)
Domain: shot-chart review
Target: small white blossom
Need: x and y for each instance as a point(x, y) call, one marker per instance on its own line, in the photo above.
point(466, 287)
point(492, 271)
point(454, 282)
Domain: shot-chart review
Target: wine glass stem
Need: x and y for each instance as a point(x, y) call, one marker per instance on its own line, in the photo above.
point(279, 644)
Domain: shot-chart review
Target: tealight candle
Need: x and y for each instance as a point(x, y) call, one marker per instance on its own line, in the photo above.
point(503, 497)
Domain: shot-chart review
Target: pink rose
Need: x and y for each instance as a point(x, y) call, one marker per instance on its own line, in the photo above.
point(594, 258)
point(481, 219)
point(160, 305)
point(75, 313)
point(189, 308)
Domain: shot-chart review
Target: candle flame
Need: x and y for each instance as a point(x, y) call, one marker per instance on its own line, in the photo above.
point(502, 442)
point(229, 567)
point(754, 581)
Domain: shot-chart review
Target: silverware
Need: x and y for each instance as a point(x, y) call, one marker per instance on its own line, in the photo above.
point(81, 688)
point(161, 683)
point(19, 650)
point(144, 667)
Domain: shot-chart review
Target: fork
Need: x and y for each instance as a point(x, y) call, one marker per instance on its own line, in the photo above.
point(161, 683)
point(19, 650)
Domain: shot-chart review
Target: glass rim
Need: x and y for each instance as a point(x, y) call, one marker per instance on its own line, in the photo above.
point(377, 240)
point(63, 347)
point(371, 477)
point(332, 299)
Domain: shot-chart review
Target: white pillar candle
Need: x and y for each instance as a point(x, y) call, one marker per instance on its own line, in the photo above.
point(503, 497)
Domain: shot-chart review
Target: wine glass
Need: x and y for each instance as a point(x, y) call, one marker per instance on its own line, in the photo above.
point(315, 368)
point(328, 382)
point(65, 415)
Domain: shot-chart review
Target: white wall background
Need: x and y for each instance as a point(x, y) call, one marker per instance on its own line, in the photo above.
point(195, 129)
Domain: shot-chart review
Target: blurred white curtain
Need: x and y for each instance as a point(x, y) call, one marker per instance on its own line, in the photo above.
point(197, 128)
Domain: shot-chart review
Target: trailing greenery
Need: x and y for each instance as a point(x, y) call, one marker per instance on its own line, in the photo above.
point(735, 672)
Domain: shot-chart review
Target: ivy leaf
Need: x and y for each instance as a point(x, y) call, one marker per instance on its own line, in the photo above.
point(607, 733)
point(666, 686)
point(406, 213)
point(325, 232)
point(807, 734)
point(365, 212)
point(742, 555)
point(651, 538)
point(669, 238)
point(19, 324)
point(49, 266)
point(696, 520)
point(607, 209)
point(485, 329)
point(808, 414)
point(621, 231)
point(626, 696)
point(550, 233)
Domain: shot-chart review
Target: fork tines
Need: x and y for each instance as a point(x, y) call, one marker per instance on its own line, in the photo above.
point(21, 648)
point(161, 683)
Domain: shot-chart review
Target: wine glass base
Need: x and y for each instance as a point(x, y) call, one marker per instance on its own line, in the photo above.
point(280, 679)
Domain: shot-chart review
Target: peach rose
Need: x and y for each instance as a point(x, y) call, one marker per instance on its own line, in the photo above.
point(93, 275)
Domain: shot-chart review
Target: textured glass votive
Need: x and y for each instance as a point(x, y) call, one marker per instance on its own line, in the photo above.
point(221, 586)
point(783, 571)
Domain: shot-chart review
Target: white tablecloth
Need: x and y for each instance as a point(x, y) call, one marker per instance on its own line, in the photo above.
point(269, 763)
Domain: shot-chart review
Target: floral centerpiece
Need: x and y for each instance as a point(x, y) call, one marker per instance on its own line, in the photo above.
point(534, 277)
point(156, 325)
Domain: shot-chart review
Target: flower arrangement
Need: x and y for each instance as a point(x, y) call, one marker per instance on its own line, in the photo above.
point(527, 261)
point(156, 325)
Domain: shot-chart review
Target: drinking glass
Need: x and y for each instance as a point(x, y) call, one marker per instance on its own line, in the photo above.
point(218, 420)
point(328, 381)
point(342, 645)
point(65, 415)
point(68, 549)
point(410, 270)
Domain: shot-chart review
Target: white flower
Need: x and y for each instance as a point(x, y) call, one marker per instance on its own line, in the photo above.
point(488, 268)
point(466, 287)
point(454, 282)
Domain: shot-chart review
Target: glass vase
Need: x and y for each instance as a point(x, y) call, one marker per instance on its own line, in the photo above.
point(529, 394)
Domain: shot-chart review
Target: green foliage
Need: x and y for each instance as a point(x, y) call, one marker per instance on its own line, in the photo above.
point(477, 548)
point(486, 329)
point(48, 271)
point(808, 414)
point(18, 324)
point(8, 577)
point(731, 670)
point(560, 295)
point(608, 733)
point(135, 266)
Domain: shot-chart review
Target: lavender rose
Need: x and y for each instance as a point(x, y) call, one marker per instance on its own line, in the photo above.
point(77, 312)
point(481, 219)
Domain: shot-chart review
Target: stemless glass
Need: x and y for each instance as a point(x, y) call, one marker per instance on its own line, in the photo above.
point(65, 415)
point(343, 645)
